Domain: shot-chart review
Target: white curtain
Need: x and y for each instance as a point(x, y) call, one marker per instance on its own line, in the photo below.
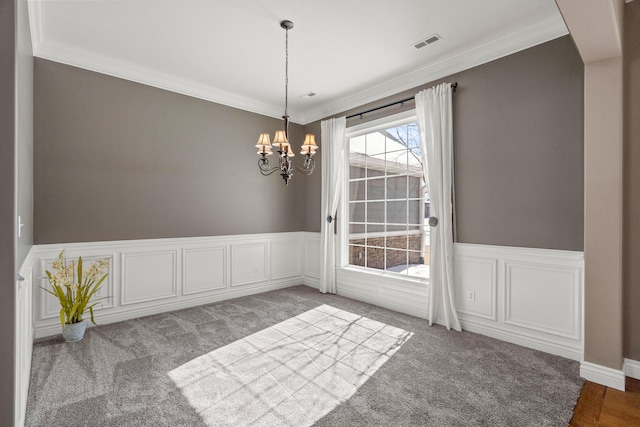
point(333, 159)
point(435, 123)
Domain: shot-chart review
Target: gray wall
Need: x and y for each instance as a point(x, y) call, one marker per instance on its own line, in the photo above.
point(7, 208)
point(24, 131)
point(631, 179)
point(313, 197)
point(120, 160)
point(518, 147)
point(120, 150)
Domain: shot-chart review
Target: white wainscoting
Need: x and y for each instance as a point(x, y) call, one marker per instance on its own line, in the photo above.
point(311, 254)
point(23, 338)
point(153, 276)
point(531, 297)
point(384, 289)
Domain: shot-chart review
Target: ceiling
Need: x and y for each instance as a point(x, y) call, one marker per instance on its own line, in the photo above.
point(232, 52)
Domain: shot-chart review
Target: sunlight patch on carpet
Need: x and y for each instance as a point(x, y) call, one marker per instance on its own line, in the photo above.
point(292, 373)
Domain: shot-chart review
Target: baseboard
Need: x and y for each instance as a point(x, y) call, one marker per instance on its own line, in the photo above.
point(380, 302)
point(526, 341)
point(632, 368)
point(312, 282)
point(603, 375)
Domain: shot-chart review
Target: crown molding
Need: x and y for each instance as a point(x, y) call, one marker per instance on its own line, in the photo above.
point(523, 39)
point(105, 65)
point(102, 64)
point(36, 22)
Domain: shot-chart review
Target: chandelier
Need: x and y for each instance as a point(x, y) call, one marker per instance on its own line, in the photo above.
point(281, 137)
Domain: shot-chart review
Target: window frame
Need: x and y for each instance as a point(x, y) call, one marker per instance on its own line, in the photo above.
point(398, 119)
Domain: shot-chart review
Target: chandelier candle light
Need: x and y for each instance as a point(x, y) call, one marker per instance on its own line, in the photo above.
point(281, 138)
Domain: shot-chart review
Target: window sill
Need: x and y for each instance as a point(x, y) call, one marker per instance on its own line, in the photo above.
point(386, 276)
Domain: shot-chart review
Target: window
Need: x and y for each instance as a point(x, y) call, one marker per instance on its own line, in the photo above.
point(387, 200)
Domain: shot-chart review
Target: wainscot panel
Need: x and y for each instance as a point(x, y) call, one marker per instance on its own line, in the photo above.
point(204, 269)
point(311, 259)
point(249, 263)
point(153, 276)
point(537, 295)
point(286, 259)
point(148, 276)
point(530, 297)
point(23, 337)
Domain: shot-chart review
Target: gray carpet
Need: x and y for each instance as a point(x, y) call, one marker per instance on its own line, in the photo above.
point(121, 374)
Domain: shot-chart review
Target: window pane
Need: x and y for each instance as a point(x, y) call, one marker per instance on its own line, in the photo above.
point(356, 228)
point(375, 258)
point(357, 144)
point(414, 211)
point(397, 212)
point(356, 172)
point(376, 146)
point(375, 189)
point(375, 171)
point(396, 260)
point(397, 242)
point(414, 243)
point(415, 185)
point(357, 255)
point(375, 211)
point(356, 212)
point(357, 190)
point(397, 187)
point(396, 162)
point(373, 229)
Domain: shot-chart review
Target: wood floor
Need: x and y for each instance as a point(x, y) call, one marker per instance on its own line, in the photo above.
point(603, 406)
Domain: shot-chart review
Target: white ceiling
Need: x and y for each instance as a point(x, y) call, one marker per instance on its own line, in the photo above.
point(349, 52)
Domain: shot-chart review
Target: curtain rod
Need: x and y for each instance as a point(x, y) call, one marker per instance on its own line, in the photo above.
point(402, 101)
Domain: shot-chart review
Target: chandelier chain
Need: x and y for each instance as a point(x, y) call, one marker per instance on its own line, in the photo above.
point(285, 153)
point(286, 72)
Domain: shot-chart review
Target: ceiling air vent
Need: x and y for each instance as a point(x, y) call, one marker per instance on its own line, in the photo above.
point(428, 40)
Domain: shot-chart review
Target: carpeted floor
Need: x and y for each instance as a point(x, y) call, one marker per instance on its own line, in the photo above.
point(141, 372)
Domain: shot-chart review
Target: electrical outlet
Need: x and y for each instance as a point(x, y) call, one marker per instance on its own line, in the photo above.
point(471, 296)
point(256, 269)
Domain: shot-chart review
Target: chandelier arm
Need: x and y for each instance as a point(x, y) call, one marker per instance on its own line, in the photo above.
point(263, 165)
point(307, 168)
point(269, 171)
point(303, 171)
